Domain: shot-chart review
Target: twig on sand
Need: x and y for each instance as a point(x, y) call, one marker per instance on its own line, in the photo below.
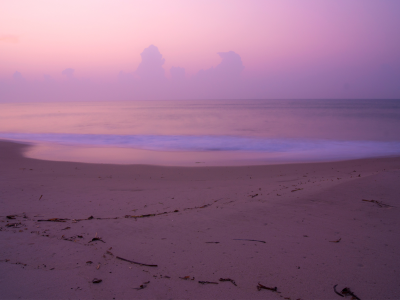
point(345, 292)
point(260, 287)
point(228, 279)
point(187, 278)
point(54, 220)
point(96, 280)
point(135, 262)
point(249, 240)
point(337, 241)
point(15, 225)
point(97, 239)
point(334, 289)
point(208, 282)
point(203, 206)
point(379, 203)
point(142, 286)
point(72, 238)
point(93, 218)
point(126, 216)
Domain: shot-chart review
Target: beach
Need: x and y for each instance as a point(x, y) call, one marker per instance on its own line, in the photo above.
point(101, 231)
point(199, 150)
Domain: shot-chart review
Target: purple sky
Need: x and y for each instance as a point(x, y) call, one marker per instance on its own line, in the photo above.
point(132, 50)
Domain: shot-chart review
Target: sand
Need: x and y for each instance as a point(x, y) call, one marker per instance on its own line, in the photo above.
point(302, 228)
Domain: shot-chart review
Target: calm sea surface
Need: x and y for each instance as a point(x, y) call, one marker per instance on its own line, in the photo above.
point(206, 132)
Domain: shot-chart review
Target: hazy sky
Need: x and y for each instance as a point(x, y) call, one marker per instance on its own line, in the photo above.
point(178, 49)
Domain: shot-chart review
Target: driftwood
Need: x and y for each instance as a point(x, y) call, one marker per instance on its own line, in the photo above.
point(187, 278)
point(14, 225)
point(334, 289)
point(249, 240)
point(208, 282)
point(114, 218)
point(97, 239)
point(142, 286)
point(54, 220)
point(261, 287)
point(135, 262)
point(379, 203)
point(228, 279)
point(345, 292)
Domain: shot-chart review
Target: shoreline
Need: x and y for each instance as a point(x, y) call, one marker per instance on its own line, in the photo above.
point(300, 227)
point(114, 155)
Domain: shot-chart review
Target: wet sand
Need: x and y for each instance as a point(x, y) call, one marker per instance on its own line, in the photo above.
point(302, 228)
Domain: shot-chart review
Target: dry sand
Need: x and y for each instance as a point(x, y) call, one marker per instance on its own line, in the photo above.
point(310, 226)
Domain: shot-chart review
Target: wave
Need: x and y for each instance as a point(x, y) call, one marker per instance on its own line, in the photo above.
point(325, 148)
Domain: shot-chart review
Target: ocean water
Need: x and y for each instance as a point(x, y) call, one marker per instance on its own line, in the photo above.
point(205, 132)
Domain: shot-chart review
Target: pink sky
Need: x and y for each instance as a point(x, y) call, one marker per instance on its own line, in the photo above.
point(288, 49)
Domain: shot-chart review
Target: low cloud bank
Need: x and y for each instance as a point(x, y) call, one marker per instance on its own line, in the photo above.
point(224, 81)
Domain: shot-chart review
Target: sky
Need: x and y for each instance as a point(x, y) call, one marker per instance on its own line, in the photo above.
point(220, 49)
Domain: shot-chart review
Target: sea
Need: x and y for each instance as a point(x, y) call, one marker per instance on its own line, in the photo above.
point(204, 132)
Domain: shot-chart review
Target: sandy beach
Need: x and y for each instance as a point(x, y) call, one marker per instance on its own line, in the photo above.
point(97, 231)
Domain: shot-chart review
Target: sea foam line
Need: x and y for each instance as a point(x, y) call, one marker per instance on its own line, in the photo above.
point(213, 143)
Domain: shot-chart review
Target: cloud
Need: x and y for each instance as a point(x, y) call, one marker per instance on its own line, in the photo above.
point(150, 67)
point(231, 64)
point(18, 78)
point(125, 77)
point(47, 78)
point(68, 72)
point(149, 81)
point(223, 81)
point(177, 73)
point(9, 38)
point(229, 68)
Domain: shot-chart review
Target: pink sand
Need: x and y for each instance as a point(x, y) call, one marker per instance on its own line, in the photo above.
point(312, 230)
